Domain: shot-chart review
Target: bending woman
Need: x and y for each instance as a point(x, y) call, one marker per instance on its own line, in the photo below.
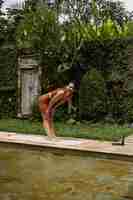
point(50, 101)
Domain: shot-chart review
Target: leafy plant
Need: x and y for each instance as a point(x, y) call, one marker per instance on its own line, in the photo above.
point(39, 30)
point(92, 96)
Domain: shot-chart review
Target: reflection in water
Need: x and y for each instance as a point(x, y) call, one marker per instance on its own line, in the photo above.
point(35, 175)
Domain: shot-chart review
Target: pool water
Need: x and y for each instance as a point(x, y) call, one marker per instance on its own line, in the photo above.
point(27, 174)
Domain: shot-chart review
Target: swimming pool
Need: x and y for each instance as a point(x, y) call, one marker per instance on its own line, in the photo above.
point(27, 174)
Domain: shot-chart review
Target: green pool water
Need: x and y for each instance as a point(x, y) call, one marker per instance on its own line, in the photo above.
point(27, 174)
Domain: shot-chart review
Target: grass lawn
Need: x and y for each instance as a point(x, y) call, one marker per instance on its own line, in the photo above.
point(81, 130)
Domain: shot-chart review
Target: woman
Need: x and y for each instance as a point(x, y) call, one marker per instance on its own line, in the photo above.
point(50, 101)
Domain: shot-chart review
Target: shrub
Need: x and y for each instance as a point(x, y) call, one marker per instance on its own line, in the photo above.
point(8, 103)
point(8, 81)
point(92, 96)
point(61, 113)
point(128, 100)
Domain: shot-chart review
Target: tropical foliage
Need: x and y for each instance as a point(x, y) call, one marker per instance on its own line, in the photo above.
point(63, 33)
point(38, 29)
point(42, 29)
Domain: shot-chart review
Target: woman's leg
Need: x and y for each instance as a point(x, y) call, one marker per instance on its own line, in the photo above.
point(52, 110)
point(43, 106)
point(51, 124)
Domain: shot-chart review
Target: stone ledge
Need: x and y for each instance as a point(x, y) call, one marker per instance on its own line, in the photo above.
point(101, 148)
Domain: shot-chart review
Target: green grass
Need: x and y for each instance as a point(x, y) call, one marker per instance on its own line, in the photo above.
point(82, 130)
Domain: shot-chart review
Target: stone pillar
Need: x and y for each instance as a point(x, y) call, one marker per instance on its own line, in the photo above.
point(29, 83)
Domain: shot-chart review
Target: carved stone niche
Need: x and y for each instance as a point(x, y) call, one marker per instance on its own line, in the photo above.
point(29, 84)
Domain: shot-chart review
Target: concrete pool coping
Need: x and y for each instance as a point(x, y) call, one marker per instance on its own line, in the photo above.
point(91, 147)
